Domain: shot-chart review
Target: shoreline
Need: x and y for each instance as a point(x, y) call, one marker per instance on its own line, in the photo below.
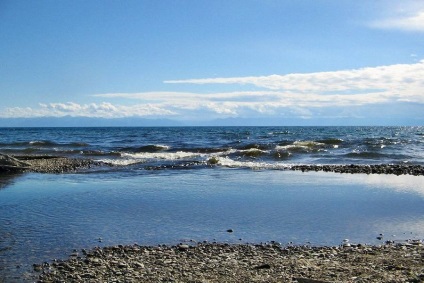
point(45, 164)
point(60, 164)
point(220, 262)
point(388, 169)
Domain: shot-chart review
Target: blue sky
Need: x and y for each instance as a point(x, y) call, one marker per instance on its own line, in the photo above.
point(199, 62)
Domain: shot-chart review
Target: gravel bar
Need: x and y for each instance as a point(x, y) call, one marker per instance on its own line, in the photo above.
point(218, 262)
point(60, 165)
point(44, 164)
point(57, 164)
point(416, 170)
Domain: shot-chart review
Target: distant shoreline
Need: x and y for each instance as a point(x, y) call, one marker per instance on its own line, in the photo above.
point(59, 164)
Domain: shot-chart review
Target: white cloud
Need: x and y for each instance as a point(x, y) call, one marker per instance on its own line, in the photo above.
point(407, 15)
point(295, 94)
point(401, 81)
point(408, 23)
point(173, 97)
point(250, 99)
point(102, 110)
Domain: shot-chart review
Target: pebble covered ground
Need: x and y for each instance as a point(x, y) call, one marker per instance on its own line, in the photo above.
point(43, 164)
point(59, 164)
point(217, 262)
point(395, 169)
point(55, 164)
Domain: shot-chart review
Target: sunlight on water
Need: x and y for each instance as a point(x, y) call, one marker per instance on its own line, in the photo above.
point(46, 216)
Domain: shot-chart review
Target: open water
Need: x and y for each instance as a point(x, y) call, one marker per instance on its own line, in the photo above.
point(251, 147)
point(171, 185)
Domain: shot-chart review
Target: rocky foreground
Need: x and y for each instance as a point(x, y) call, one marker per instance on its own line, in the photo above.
point(204, 262)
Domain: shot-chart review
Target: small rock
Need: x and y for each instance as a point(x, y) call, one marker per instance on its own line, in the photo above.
point(183, 247)
point(122, 265)
point(263, 266)
point(37, 267)
point(139, 264)
point(307, 280)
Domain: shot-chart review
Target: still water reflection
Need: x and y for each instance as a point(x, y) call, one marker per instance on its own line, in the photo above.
point(43, 217)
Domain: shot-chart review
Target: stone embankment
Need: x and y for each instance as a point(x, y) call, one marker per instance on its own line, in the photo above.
point(270, 262)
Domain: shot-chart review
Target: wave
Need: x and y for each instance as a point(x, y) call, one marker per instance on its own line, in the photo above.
point(210, 150)
point(98, 153)
point(43, 143)
point(301, 146)
point(146, 148)
point(145, 157)
point(228, 162)
point(121, 162)
point(264, 145)
point(331, 141)
point(211, 161)
point(162, 155)
point(78, 144)
point(253, 146)
point(276, 133)
point(154, 148)
point(251, 152)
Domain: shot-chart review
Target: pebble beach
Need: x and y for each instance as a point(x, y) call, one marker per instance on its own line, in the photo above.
point(218, 262)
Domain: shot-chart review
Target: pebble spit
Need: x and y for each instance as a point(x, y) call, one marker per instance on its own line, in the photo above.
point(55, 164)
point(217, 262)
point(416, 170)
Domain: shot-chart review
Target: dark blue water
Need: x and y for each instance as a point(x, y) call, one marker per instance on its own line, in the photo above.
point(252, 147)
point(46, 216)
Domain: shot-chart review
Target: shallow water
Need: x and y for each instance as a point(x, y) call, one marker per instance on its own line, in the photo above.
point(43, 216)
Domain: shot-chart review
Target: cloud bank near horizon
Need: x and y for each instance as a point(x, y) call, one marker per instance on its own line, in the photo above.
point(399, 77)
point(302, 95)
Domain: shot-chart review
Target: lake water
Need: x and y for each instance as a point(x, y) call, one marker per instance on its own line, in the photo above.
point(235, 147)
point(171, 185)
point(43, 217)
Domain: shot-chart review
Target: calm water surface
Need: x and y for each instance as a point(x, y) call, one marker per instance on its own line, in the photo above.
point(43, 216)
